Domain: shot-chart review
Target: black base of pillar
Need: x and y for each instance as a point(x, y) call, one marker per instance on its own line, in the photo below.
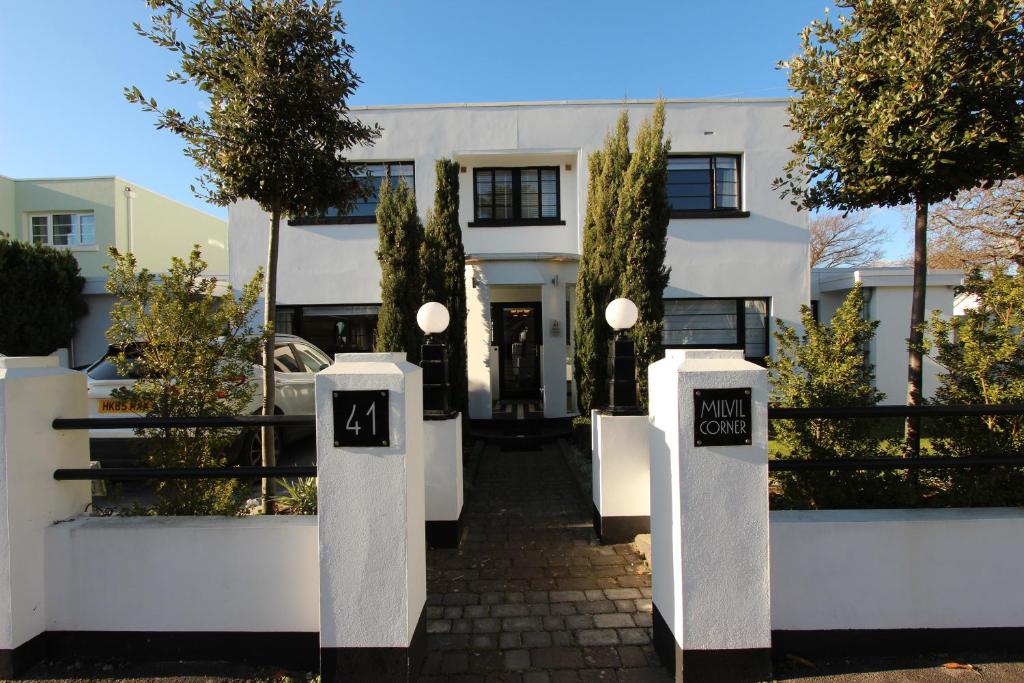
point(700, 666)
point(13, 663)
point(612, 530)
point(384, 664)
point(444, 533)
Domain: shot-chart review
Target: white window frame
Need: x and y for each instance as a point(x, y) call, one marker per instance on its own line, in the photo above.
point(74, 237)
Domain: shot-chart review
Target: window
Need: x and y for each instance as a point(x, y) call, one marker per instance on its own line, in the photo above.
point(333, 329)
point(718, 324)
point(704, 186)
point(64, 229)
point(516, 196)
point(365, 210)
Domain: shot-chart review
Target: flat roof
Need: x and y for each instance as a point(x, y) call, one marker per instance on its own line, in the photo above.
point(574, 103)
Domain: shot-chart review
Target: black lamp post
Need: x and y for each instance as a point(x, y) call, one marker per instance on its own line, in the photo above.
point(433, 319)
point(621, 314)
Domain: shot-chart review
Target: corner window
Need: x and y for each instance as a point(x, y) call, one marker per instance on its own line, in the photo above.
point(64, 229)
point(516, 196)
point(718, 324)
point(702, 185)
point(365, 210)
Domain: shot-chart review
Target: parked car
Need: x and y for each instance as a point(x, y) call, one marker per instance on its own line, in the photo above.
point(295, 362)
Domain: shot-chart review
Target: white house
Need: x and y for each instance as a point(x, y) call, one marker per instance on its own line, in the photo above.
point(738, 253)
point(887, 292)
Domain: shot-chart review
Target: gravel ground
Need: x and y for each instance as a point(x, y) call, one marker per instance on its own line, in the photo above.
point(911, 669)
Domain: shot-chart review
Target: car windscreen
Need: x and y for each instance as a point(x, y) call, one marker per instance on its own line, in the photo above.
point(104, 369)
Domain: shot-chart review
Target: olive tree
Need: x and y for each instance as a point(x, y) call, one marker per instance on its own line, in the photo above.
point(276, 75)
point(906, 103)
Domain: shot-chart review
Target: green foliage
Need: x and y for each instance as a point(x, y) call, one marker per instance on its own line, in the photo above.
point(194, 353)
point(299, 497)
point(277, 74)
point(983, 357)
point(401, 288)
point(906, 101)
point(581, 433)
point(601, 267)
point(827, 366)
point(641, 229)
point(40, 298)
point(443, 266)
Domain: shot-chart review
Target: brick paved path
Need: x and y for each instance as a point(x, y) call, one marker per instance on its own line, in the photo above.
point(530, 596)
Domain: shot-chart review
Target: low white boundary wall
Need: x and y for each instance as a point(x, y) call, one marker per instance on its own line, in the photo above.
point(255, 574)
point(897, 569)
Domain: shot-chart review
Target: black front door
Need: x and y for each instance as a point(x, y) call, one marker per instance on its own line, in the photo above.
point(517, 335)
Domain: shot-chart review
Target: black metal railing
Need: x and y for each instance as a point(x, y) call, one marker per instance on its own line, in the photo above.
point(893, 463)
point(170, 473)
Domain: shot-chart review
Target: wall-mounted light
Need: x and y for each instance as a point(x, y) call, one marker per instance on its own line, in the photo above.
point(568, 167)
point(462, 169)
point(554, 280)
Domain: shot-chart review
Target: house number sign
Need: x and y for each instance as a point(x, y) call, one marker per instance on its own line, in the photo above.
point(721, 417)
point(361, 418)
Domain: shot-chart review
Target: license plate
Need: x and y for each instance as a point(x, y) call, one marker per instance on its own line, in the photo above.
point(111, 406)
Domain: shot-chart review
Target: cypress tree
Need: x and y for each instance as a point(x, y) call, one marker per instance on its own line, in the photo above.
point(444, 274)
point(641, 228)
point(601, 267)
point(400, 239)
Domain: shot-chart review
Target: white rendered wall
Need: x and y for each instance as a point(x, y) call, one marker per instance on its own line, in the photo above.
point(34, 391)
point(890, 569)
point(183, 574)
point(891, 306)
point(622, 465)
point(442, 468)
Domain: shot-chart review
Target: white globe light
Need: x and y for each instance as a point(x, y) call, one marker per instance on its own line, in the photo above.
point(621, 314)
point(433, 318)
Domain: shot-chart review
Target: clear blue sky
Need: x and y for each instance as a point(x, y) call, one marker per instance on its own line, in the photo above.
point(63, 64)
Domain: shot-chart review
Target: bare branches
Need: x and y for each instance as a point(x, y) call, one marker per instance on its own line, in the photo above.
point(981, 227)
point(838, 240)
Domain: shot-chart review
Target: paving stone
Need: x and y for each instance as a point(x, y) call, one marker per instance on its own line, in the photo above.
point(510, 610)
point(622, 593)
point(488, 625)
point(537, 639)
point(632, 656)
point(601, 657)
point(536, 677)
point(522, 624)
point(643, 619)
point(562, 638)
point(455, 662)
point(634, 636)
point(579, 621)
point(439, 625)
point(510, 641)
point(597, 636)
point(556, 658)
point(434, 611)
point(567, 596)
point(563, 608)
point(617, 620)
point(595, 607)
point(517, 659)
point(476, 611)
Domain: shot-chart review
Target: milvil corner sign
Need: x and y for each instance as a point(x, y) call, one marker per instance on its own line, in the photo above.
point(721, 417)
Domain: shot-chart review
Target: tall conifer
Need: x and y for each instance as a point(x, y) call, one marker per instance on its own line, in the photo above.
point(601, 266)
point(444, 274)
point(401, 285)
point(641, 228)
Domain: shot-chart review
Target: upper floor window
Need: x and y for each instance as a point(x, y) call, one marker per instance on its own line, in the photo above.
point(718, 324)
point(365, 210)
point(64, 229)
point(516, 196)
point(704, 185)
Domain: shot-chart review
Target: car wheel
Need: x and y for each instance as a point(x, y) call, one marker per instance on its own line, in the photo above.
point(251, 454)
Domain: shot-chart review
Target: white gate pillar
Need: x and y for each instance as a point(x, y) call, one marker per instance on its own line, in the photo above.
point(370, 492)
point(34, 391)
point(709, 515)
point(621, 487)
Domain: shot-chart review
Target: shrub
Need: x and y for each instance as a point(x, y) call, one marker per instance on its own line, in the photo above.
point(299, 497)
point(193, 352)
point(581, 433)
point(982, 353)
point(827, 366)
point(40, 298)
point(400, 236)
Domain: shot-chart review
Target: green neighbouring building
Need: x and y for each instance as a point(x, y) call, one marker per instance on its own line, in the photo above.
point(89, 215)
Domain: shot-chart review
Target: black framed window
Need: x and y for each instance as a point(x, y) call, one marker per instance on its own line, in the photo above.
point(365, 210)
point(718, 324)
point(704, 186)
point(516, 196)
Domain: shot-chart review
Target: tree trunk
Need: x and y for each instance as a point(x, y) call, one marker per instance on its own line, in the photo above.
point(269, 318)
point(912, 426)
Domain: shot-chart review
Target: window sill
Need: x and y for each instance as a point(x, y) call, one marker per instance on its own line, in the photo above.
point(334, 220)
point(728, 213)
point(519, 223)
point(77, 247)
